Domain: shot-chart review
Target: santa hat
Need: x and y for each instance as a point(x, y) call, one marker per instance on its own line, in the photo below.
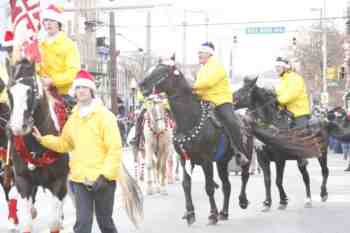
point(83, 79)
point(8, 39)
point(282, 62)
point(207, 47)
point(52, 12)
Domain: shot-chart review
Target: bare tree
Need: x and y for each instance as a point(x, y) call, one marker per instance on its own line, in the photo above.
point(308, 51)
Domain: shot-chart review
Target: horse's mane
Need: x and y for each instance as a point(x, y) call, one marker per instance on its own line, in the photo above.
point(301, 142)
point(265, 105)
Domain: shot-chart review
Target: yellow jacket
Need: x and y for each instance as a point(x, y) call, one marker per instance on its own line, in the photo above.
point(292, 94)
point(94, 142)
point(60, 62)
point(4, 77)
point(212, 83)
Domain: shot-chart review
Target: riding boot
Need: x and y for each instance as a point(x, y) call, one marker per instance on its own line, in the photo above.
point(138, 129)
point(230, 121)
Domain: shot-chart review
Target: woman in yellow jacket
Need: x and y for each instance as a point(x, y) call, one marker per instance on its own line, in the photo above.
point(60, 56)
point(212, 84)
point(91, 135)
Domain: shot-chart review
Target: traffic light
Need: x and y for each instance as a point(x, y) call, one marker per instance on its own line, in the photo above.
point(234, 39)
point(342, 73)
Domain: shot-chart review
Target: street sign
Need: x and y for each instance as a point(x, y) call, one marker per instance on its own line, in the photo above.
point(265, 30)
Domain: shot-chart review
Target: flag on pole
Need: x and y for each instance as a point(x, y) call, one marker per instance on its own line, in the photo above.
point(25, 18)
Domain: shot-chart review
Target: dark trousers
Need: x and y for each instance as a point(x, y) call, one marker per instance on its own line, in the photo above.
point(300, 122)
point(230, 121)
point(87, 202)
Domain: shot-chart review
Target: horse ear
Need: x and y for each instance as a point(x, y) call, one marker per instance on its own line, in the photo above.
point(255, 80)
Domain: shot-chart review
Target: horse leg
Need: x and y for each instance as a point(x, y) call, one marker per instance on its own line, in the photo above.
point(150, 172)
point(59, 191)
point(169, 169)
point(243, 200)
point(142, 166)
point(207, 167)
point(163, 173)
point(11, 199)
point(189, 215)
point(325, 172)
point(177, 177)
point(134, 150)
point(306, 179)
point(226, 188)
point(25, 189)
point(280, 165)
point(264, 164)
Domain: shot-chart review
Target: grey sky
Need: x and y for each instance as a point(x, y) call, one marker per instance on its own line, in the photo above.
point(254, 53)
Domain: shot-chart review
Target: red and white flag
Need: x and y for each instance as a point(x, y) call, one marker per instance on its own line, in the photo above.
point(25, 18)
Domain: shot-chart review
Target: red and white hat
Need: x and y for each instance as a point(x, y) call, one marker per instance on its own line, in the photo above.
point(8, 39)
point(83, 79)
point(52, 12)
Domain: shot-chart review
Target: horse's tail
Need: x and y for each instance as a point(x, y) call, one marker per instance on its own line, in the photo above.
point(132, 197)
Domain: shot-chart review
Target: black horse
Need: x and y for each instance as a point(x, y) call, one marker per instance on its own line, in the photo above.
point(198, 139)
point(34, 165)
point(263, 106)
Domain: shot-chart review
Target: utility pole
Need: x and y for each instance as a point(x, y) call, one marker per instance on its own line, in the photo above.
point(113, 62)
point(148, 41)
point(347, 48)
point(112, 30)
point(184, 42)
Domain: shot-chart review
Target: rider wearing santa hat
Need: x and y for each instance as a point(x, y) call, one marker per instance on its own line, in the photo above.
point(60, 59)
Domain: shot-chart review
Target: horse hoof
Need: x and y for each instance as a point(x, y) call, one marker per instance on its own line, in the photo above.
point(282, 206)
point(223, 216)
point(163, 192)
point(190, 218)
point(324, 198)
point(13, 231)
point(308, 203)
point(243, 202)
point(33, 212)
point(213, 219)
point(266, 209)
point(149, 191)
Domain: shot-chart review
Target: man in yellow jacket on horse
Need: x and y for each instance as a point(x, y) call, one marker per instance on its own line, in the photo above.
point(60, 59)
point(212, 84)
point(292, 94)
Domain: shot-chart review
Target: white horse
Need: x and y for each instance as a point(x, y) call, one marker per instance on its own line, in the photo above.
point(158, 145)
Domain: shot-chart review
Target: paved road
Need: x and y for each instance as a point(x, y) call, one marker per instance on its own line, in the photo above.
point(163, 213)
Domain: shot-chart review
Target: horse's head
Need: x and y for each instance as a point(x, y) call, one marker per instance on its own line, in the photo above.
point(243, 97)
point(156, 117)
point(162, 78)
point(24, 95)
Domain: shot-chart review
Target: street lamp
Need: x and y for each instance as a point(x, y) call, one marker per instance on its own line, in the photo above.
point(232, 56)
point(324, 94)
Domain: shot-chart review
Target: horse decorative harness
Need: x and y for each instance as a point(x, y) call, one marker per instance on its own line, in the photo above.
point(48, 156)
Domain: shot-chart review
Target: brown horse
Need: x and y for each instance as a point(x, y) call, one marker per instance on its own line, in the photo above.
point(158, 138)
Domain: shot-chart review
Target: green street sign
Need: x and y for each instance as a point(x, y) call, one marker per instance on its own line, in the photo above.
point(265, 30)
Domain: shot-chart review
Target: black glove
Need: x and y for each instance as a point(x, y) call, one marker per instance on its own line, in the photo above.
point(100, 184)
